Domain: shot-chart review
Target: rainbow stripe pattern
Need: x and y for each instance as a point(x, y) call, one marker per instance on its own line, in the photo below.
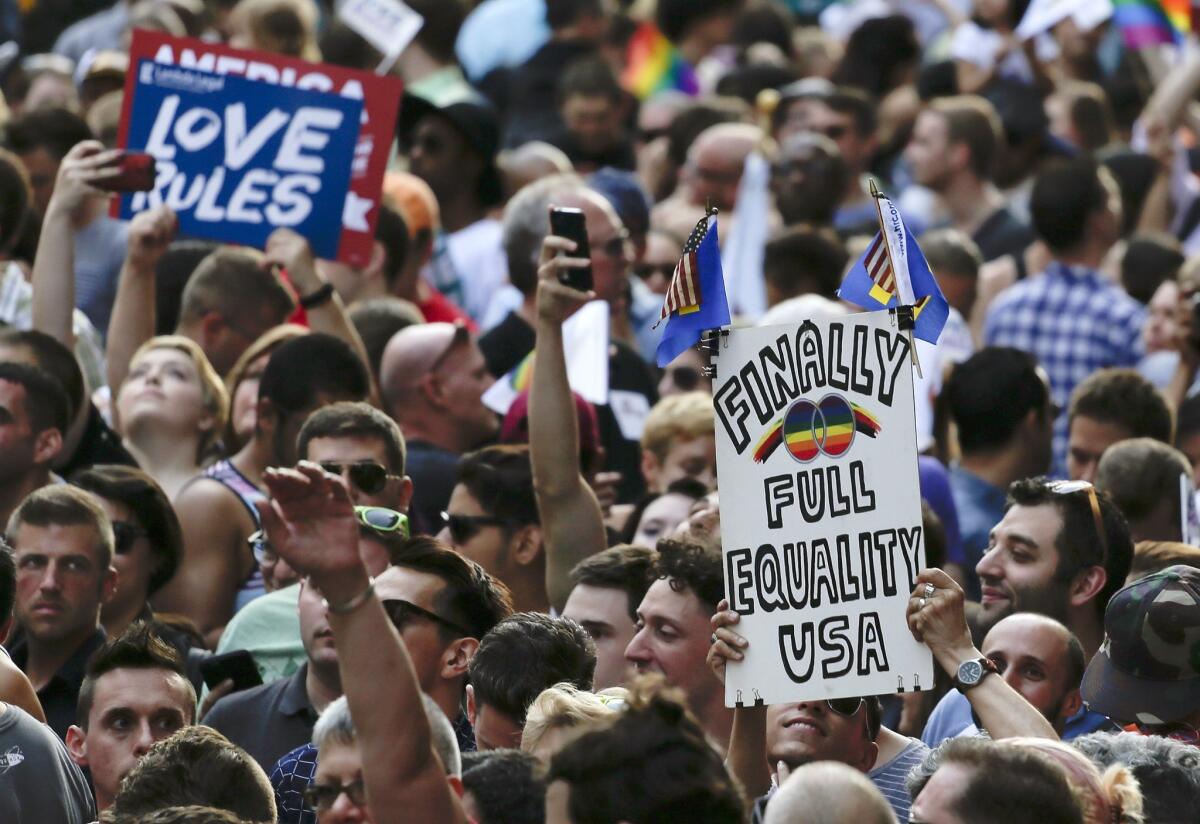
point(806, 436)
point(1145, 23)
point(522, 376)
point(653, 64)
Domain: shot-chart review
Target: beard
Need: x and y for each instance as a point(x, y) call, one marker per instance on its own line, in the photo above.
point(1049, 599)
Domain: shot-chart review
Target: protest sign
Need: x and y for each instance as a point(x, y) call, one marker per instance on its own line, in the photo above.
point(237, 159)
point(380, 98)
point(820, 508)
point(388, 25)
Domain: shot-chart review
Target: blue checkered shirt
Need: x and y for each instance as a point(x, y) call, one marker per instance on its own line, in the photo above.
point(1074, 321)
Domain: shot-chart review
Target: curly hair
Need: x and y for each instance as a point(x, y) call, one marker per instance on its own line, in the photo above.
point(690, 567)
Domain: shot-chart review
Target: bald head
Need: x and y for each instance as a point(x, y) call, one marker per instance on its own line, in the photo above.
point(532, 161)
point(411, 354)
point(829, 792)
point(1041, 659)
point(715, 162)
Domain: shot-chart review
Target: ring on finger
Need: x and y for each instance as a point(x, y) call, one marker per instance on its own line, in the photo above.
point(929, 590)
point(922, 604)
point(714, 638)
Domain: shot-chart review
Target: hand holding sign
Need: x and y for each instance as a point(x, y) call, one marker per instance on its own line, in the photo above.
point(289, 250)
point(937, 618)
point(727, 645)
point(86, 163)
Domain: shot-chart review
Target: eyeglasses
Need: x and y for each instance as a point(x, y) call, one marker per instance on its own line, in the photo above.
point(465, 527)
point(686, 378)
point(321, 796)
point(1072, 487)
point(124, 536)
point(645, 271)
point(381, 519)
point(369, 476)
point(401, 612)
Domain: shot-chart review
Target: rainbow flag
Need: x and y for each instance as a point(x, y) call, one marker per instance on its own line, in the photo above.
point(801, 441)
point(653, 64)
point(1145, 23)
point(521, 378)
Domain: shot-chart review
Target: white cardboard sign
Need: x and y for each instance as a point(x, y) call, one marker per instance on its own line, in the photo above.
point(820, 508)
point(388, 25)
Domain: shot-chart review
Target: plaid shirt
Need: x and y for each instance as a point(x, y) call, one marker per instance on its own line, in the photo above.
point(1074, 321)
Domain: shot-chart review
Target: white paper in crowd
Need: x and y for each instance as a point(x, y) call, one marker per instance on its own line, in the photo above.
point(388, 25)
point(745, 245)
point(1189, 515)
point(585, 344)
point(1043, 15)
point(820, 508)
point(631, 410)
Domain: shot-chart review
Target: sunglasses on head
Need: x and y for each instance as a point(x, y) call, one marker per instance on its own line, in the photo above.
point(322, 796)
point(402, 612)
point(382, 519)
point(1073, 487)
point(125, 534)
point(465, 527)
point(368, 476)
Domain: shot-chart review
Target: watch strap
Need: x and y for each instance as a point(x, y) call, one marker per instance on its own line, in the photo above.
point(987, 664)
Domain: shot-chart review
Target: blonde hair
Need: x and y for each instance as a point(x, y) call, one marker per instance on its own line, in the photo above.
point(565, 707)
point(1111, 797)
point(287, 27)
point(212, 390)
point(677, 417)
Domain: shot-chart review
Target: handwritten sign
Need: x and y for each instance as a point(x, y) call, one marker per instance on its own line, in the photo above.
point(820, 509)
point(379, 98)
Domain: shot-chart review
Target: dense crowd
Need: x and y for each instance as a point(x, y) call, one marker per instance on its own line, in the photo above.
point(278, 548)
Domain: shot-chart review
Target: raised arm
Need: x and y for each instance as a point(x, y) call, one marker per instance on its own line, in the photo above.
point(937, 619)
point(747, 756)
point(310, 521)
point(572, 523)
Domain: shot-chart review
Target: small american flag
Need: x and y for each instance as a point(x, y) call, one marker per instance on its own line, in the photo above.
point(879, 268)
point(683, 295)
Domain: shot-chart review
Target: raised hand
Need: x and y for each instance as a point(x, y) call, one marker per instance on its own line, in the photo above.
point(727, 645)
point(150, 233)
point(937, 617)
point(555, 301)
point(291, 251)
point(86, 163)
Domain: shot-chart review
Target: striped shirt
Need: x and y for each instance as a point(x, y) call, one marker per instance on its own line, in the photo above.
point(891, 777)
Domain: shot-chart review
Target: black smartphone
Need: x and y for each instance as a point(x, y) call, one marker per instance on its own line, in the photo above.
point(136, 174)
point(238, 666)
point(572, 224)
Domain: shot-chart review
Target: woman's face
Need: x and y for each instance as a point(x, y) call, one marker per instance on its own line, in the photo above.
point(661, 517)
point(134, 566)
point(244, 411)
point(164, 387)
point(1161, 324)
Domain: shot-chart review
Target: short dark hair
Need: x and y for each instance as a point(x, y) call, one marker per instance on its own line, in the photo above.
point(392, 233)
point(8, 581)
point(1007, 784)
point(1077, 544)
point(150, 506)
point(507, 786)
point(652, 762)
point(1141, 474)
point(855, 102)
point(136, 648)
point(470, 596)
point(65, 505)
point(625, 567)
point(972, 121)
point(693, 568)
point(438, 33)
point(45, 399)
point(1150, 259)
point(57, 360)
point(171, 276)
point(500, 478)
point(676, 17)
point(990, 393)
point(1167, 771)
point(563, 13)
point(953, 251)
point(55, 130)
point(234, 284)
point(355, 419)
point(802, 260)
point(1124, 398)
point(526, 653)
point(15, 196)
point(376, 320)
point(590, 77)
point(189, 814)
point(1187, 419)
point(1065, 194)
point(328, 366)
point(196, 765)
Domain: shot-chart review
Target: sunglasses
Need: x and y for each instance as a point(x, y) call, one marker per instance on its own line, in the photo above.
point(402, 613)
point(845, 707)
point(1073, 487)
point(368, 476)
point(321, 796)
point(124, 536)
point(686, 378)
point(645, 271)
point(381, 519)
point(465, 527)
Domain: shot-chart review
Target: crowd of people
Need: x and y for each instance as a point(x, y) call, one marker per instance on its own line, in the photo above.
point(277, 551)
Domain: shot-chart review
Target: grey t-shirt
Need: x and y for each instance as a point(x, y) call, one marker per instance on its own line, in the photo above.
point(38, 781)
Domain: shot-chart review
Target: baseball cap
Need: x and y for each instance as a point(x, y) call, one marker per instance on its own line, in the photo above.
point(1148, 669)
point(515, 428)
point(413, 199)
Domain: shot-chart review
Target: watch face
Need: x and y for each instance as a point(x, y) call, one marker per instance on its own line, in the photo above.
point(970, 672)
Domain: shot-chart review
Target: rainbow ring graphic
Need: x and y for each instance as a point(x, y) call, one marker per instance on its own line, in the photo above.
point(824, 427)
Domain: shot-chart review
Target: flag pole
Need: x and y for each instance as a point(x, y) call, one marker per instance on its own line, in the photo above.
point(906, 312)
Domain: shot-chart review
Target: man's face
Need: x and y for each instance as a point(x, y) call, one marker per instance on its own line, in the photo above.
point(936, 802)
point(1087, 439)
point(612, 256)
point(493, 729)
point(810, 731)
point(315, 632)
point(672, 638)
point(1033, 658)
point(463, 378)
point(17, 444)
point(593, 120)
point(340, 765)
point(358, 449)
point(441, 157)
point(60, 584)
point(687, 458)
point(928, 151)
point(43, 170)
point(422, 636)
point(604, 613)
point(1017, 572)
point(234, 336)
point(486, 545)
point(134, 567)
point(805, 182)
point(839, 127)
point(132, 710)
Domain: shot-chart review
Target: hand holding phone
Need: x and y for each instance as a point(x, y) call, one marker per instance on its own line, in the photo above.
point(572, 224)
point(136, 172)
point(238, 666)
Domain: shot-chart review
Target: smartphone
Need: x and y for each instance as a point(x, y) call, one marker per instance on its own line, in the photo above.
point(238, 666)
point(136, 174)
point(572, 224)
